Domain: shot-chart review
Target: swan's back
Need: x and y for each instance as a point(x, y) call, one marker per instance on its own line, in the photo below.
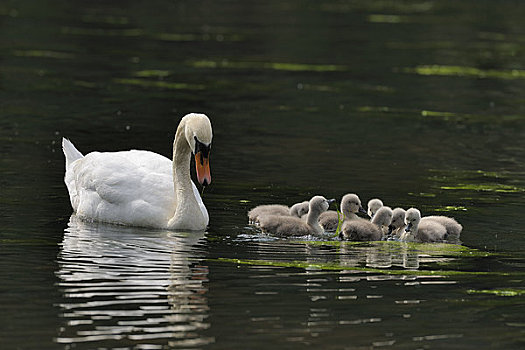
point(329, 220)
point(360, 230)
point(451, 225)
point(267, 209)
point(129, 187)
point(430, 231)
point(281, 225)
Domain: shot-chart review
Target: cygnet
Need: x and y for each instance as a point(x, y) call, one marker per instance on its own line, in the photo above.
point(364, 230)
point(274, 209)
point(299, 209)
point(418, 230)
point(293, 226)
point(350, 205)
point(397, 226)
point(373, 206)
point(451, 225)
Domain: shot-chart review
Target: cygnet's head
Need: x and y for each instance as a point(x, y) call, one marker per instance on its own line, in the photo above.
point(351, 204)
point(373, 206)
point(412, 218)
point(383, 216)
point(198, 134)
point(398, 219)
point(319, 204)
point(299, 209)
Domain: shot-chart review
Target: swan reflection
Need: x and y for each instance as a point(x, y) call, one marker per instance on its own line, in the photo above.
point(132, 286)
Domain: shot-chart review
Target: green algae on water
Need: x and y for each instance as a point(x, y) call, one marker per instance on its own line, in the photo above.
point(338, 267)
point(505, 292)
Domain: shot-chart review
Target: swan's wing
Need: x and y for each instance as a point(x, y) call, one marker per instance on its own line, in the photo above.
point(132, 187)
point(200, 202)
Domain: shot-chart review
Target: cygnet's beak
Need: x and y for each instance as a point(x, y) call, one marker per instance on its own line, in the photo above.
point(330, 201)
point(362, 210)
point(390, 229)
point(409, 227)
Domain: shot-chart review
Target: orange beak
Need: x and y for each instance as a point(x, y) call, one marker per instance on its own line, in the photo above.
point(202, 165)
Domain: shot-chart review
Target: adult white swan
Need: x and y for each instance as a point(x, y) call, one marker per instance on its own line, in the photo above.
point(142, 188)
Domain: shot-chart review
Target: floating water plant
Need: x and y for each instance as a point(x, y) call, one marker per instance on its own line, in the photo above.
point(43, 54)
point(152, 73)
point(159, 84)
point(467, 72)
point(486, 188)
point(506, 292)
point(340, 220)
point(334, 266)
point(451, 208)
point(281, 66)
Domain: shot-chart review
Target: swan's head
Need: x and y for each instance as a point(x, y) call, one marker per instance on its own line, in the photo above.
point(412, 218)
point(351, 204)
point(299, 209)
point(398, 219)
point(383, 216)
point(198, 134)
point(373, 206)
point(319, 204)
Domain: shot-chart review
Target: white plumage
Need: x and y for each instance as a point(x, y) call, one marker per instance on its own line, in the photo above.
point(138, 188)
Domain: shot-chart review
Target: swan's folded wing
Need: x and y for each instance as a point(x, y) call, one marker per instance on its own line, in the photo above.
point(123, 187)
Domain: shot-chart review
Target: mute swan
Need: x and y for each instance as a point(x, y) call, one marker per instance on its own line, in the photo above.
point(293, 226)
point(373, 206)
point(297, 210)
point(350, 205)
point(364, 230)
point(142, 188)
point(451, 225)
point(397, 226)
point(418, 230)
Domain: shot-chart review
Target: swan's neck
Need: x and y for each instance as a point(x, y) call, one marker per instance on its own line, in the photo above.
point(377, 221)
point(187, 214)
point(349, 215)
point(181, 162)
point(414, 230)
point(313, 221)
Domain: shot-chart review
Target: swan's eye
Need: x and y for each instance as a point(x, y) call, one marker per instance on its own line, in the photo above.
point(202, 148)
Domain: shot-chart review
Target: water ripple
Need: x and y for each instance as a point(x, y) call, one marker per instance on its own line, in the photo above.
point(131, 285)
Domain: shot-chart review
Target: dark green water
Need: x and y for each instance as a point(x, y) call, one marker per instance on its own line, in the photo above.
point(420, 103)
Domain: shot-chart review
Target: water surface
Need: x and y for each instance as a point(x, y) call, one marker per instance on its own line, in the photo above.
point(416, 102)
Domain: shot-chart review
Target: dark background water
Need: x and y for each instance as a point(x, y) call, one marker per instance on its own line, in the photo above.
point(419, 103)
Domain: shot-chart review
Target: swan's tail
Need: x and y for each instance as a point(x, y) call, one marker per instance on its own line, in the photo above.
point(70, 152)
